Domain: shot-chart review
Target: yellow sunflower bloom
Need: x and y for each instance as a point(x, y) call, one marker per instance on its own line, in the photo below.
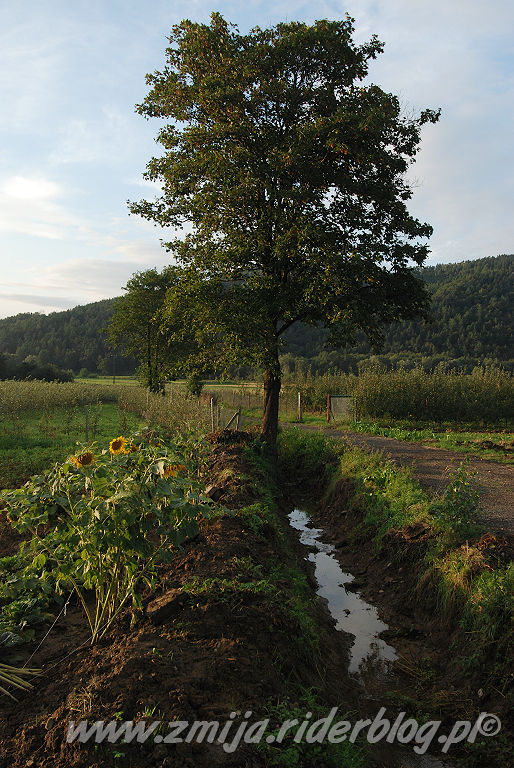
point(173, 469)
point(117, 445)
point(85, 459)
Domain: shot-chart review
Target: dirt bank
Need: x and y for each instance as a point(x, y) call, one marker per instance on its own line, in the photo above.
point(219, 635)
point(431, 677)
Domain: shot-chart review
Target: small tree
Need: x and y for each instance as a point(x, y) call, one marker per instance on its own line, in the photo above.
point(289, 172)
point(135, 324)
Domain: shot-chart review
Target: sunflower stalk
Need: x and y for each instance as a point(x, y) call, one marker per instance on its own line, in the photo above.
point(14, 676)
point(142, 498)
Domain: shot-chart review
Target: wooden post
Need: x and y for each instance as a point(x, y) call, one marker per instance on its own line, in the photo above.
point(238, 425)
point(87, 424)
point(328, 407)
point(212, 413)
point(300, 407)
point(249, 400)
point(218, 416)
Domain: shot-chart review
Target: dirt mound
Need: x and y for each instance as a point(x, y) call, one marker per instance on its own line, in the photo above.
point(216, 648)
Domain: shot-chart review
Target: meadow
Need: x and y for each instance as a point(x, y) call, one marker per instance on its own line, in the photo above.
point(42, 422)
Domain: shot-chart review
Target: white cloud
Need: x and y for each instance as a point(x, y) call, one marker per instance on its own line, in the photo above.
point(29, 205)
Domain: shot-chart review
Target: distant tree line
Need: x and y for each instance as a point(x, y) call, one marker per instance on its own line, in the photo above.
point(12, 368)
point(471, 325)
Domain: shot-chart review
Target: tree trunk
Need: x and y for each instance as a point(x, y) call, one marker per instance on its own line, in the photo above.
point(269, 425)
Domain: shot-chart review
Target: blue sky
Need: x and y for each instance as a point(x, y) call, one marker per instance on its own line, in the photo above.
point(73, 150)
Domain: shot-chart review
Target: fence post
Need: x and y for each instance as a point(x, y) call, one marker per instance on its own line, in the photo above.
point(328, 407)
point(238, 425)
point(300, 407)
point(212, 413)
point(218, 416)
point(87, 424)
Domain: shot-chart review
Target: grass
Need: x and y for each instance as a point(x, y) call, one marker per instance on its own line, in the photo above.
point(495, 444)
point(41, 422)
point(465, 571)
point(478, 595)
point(122, 380)
point(451, 436)
point(36, 439)
point(282, 751)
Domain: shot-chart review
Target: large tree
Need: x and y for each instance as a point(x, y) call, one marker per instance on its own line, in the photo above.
point(288, 172)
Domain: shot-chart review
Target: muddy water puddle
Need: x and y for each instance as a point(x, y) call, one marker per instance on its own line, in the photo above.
point(370, 657)
point(351, 612)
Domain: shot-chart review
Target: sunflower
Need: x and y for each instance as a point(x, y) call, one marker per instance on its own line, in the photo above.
point(117, 445)
point(173, 470)
point(83, 459)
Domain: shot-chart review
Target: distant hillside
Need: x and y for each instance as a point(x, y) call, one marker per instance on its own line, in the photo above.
point(72, 339)
point(471, 322)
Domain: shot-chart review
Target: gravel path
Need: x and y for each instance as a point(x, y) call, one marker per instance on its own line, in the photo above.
point(430, 467)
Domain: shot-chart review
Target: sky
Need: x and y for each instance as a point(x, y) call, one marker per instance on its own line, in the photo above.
point(73, 149)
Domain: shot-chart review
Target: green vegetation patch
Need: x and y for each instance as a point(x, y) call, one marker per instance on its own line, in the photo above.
point(103, 520)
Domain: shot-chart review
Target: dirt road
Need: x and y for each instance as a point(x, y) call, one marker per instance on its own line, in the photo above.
point(430, 467)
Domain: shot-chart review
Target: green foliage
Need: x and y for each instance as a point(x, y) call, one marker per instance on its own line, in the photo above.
point(308, 458)
point(489, 609)
point(457, 510)
point(36, 440)
point(486, 394)
point(173, 413)
point(479, 596)
point(290, 171)
point(469, 304)
point(104, 519)
point(135, 324)
point(70, 340)
point(40, 422)
point(288, 753)
point(194, 385)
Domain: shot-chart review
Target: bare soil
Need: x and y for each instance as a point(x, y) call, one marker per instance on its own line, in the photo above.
point(215, 654)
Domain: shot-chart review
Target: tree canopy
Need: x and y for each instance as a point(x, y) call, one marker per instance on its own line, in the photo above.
point(135, 324)
point(287, 171)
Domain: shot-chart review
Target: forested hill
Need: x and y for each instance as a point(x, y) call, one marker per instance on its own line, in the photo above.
point(471, 319)
point(73, 339)
point(471, 309)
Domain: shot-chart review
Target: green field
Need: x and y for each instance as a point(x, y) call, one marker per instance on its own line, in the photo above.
point(39, 438)
point(130, 380)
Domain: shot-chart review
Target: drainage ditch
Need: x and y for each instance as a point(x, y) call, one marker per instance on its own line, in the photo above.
point(370, 656)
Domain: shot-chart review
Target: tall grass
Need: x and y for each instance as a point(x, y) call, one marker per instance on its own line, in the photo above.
point(18, 396)
point(40, 422)
point(174, 413)
point(486, 395)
